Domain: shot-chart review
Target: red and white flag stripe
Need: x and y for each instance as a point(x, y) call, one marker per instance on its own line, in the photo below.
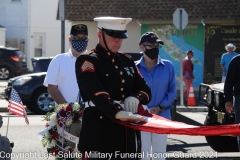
point(16, 108)
point(15, 105)
point(161, 125)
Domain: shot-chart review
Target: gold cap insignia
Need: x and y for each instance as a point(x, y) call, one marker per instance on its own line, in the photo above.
point(153, 36)
point(123, 22)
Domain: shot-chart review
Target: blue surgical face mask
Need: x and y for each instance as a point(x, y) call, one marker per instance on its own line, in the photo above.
point(79, 45)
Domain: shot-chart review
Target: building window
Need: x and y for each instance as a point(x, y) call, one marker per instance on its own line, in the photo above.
point(39, 45)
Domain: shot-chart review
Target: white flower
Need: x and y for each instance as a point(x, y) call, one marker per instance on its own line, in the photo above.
point(52, 144)
point(53, 117)
point(75, 106)
point(47, 135)
point(68, 123)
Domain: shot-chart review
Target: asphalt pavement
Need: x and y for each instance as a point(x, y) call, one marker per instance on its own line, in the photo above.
point(193, 115)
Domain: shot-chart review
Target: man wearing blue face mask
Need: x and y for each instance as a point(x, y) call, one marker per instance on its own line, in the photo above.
point(60, 78)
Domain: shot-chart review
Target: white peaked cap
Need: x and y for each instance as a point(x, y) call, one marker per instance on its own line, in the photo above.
point(113, 23)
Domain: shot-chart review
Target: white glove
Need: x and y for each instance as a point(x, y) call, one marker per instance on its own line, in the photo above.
point(131, 104)
point(128, 116)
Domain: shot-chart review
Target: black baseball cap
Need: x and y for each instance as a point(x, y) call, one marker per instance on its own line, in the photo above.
point(150, 37)
point(79, 28)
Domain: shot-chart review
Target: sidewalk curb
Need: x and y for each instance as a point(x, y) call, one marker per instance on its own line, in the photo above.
point(192, 109)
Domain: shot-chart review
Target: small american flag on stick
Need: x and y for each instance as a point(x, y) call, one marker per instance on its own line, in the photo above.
point(15, 105)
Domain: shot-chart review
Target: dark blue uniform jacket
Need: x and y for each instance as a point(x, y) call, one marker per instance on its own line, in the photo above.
point(103, 77)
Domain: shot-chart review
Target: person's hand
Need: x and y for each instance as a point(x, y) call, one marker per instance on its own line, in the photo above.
point(128, 116)
point(131, 104)
point(155, 110)
point(229, 107)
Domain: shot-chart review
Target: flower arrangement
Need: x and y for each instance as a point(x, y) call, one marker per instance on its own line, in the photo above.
point(54, 137)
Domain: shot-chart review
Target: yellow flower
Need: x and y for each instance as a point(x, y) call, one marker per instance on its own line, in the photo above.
point(64, 105)
point(68, 123)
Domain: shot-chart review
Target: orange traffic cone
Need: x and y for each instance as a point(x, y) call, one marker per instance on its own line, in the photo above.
point(191, 99)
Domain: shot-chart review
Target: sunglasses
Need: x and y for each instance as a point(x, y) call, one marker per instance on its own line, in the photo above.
point(154, 46)
point(76, 38)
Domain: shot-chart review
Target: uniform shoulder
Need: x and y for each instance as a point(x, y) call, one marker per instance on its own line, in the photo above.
point(122, 54)
point(236, 58)
point(87, 56)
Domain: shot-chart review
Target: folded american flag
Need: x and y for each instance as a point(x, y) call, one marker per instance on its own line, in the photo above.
point(15, 105)
point(161, 125)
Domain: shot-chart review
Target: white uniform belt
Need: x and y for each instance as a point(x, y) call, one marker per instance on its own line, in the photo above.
point(91, 104)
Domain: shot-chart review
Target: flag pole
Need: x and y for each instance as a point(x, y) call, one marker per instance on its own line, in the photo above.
point(9, 105)
point(8, 123)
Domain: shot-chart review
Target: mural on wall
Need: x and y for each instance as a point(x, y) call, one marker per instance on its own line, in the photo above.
point(216, 37)
point(193, 39)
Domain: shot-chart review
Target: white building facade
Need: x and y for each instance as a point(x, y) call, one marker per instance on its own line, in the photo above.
point(2, 35)
point(32, 26)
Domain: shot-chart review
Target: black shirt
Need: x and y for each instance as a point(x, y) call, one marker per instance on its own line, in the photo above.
point(232, 83)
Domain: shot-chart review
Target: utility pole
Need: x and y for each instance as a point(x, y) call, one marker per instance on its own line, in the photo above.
point(62, 18)
point(180, 20)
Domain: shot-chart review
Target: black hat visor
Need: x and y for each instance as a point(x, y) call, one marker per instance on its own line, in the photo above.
point(116, 33)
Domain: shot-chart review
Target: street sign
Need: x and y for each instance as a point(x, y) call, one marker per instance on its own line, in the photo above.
point(62, 10)
point(180, 16)
point(180, 20)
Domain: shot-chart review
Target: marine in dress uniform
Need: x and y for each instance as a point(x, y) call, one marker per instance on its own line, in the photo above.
point(107, 80)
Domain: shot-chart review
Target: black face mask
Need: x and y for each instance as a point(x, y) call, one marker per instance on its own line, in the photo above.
point(152, 53)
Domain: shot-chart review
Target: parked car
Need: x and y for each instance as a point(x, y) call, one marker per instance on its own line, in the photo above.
point(12, 62)
point(217, 115)
point(32, 91)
